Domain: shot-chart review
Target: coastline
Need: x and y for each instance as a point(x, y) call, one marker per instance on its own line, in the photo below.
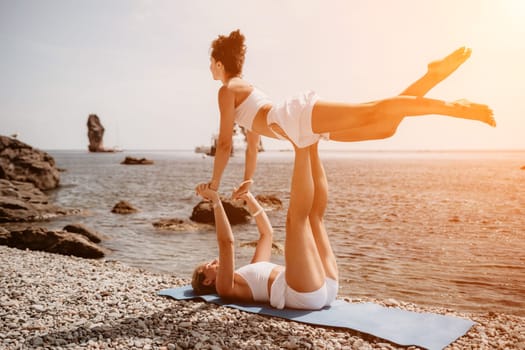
point(49, 300)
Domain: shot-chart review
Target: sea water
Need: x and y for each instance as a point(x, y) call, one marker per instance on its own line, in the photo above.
point(434, 228)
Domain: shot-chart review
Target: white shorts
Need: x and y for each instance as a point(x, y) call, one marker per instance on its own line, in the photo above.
point(294, 117)
point(282, 295)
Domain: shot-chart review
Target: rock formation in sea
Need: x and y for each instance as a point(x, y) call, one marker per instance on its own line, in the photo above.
point(235, 210)
point(25, 173)
point(23, 202)
point(21, 162)
point(179, 225)
point(124, 207)
point(269, 201)
point(96, 135)
point(136, 161)
point(89, 233)
point(277, 248)
point(60, 242)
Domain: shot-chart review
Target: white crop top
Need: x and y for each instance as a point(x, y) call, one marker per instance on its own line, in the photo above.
point(257, 275)
point(246, 111)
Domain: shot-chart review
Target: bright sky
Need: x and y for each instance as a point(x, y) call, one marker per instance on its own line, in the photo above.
point(143, 66)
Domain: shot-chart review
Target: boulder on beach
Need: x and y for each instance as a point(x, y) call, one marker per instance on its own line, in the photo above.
point(85, 231)
point(124, 207)
point(60, 242)
point(23, 202)
point(235, 210)
point(269, 201)
point(96, 135)
point(136, 161)
point(21, 162)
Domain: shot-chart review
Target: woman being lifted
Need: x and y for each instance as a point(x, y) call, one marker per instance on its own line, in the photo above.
point(305, 119)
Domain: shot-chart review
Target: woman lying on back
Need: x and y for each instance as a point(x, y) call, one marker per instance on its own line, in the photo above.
point(309, 279)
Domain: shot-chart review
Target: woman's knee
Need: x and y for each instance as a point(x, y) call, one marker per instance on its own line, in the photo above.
point(389, 129)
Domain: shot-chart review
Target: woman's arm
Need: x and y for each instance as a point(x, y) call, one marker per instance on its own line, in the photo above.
point(252, 149)
point(224, 282)
point(250, 163)
point(224, 144)
point(263, 251)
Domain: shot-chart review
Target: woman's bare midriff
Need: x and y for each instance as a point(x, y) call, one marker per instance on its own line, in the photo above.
point(275, 271)
point(261, 127)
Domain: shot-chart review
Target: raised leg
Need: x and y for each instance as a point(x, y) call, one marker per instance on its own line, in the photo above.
point(437, 71)
point(316, 215)
point(304, 268)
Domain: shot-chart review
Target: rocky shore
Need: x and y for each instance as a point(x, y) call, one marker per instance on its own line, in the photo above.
point(62, 302)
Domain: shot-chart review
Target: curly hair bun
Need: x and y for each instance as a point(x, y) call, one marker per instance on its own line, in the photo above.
point(230, 50)
point(237, 38)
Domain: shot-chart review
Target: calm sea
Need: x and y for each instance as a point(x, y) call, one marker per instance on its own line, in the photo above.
point(434, 228)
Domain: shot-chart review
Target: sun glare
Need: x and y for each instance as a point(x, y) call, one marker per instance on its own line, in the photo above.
point(515, 13)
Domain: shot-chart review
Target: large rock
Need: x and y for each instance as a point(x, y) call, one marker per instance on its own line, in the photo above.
point(61, 242)
point(235, 210)
point(21, 162)
point(96, 135)
point(89, 233)
point(124, 207)
point(23, 202)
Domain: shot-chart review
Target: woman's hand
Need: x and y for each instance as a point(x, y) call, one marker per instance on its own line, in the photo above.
point(204, 190)
point(243, 189)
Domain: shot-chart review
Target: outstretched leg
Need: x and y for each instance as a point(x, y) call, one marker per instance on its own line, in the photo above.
point(334, 117)
point(316, 215)
point(304, 268)
point(437, 71)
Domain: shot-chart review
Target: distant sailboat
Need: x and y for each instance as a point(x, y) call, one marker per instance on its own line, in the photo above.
point(239, 143)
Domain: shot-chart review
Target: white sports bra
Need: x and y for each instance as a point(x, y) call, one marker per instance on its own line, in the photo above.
point(257, 275)
point(246, 111)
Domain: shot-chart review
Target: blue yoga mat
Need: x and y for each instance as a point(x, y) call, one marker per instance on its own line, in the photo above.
point(427, 330)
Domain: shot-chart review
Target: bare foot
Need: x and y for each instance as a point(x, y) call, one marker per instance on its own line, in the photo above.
point(444, 67)
point(474, 111)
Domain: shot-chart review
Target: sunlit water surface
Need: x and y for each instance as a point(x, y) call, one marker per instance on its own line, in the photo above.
point(434, 228)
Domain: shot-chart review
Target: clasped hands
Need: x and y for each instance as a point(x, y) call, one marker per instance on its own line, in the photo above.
point(241, 192)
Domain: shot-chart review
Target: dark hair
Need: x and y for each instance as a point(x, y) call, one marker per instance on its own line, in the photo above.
point(196, 282)
point(230, 51)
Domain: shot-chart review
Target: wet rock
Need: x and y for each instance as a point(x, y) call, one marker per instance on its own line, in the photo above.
point(277, 247)
point(235, 210)
point(61, 242)
point(23, 202)
point(96, 135)
point(178, 225)
point(124, 207)
point(136, 161)
point(21, 162)
point(85, 231)
point(269, 202)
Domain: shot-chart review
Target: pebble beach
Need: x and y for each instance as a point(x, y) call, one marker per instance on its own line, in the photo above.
point(60, 302)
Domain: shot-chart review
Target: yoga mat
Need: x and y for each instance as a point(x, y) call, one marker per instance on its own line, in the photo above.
point(427, 330)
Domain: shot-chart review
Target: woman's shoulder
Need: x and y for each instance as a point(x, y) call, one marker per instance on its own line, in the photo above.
point(236, 90)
